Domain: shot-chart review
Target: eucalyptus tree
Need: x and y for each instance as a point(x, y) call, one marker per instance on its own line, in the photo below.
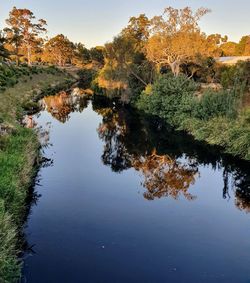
point(126, 66)
point(176, 37)
point(59, 50)
point(23, 32)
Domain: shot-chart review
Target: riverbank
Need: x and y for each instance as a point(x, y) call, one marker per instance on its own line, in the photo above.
point(19, 157)
point(216, 117)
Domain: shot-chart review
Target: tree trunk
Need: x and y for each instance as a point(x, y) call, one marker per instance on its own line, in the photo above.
point(60, 61)
point(175, 68)
point(29, 55)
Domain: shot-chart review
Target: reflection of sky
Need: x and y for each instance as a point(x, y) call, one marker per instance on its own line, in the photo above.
point(96, 22)
point(95, 222)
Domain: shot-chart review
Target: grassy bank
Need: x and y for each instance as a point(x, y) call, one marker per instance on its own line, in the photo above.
point(19, 152)
point(217, 117)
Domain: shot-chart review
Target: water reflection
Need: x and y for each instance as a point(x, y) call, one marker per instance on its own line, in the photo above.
point(169, 162)
point(61, 105)
point(164, 176)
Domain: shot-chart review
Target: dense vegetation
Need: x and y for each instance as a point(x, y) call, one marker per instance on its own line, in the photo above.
point(166, 66)
point(216, 117)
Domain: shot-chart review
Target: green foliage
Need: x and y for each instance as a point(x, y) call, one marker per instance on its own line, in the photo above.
point(97, 54)
point(16, 173)
point(238, 74)
point(9, 266)
point(10, 74)
point(86, 76)
point(19, 150)
point(242, 49)
point(215, 117)
point(170, 98)
point(215, 104)
point(30, 107)
point(4, 53)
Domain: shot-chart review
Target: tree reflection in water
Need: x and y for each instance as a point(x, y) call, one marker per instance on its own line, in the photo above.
point(168, 161)
point(164, 176)
point(112, 131)
point(61, 105)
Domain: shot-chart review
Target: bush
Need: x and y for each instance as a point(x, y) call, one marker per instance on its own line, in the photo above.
point(86, 76)
point(215, 117)
point(10, 74)
point(171, 98)
point(215, 104)
point(238, 74)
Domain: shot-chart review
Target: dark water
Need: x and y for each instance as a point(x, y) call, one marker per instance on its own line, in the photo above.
point(128, 200)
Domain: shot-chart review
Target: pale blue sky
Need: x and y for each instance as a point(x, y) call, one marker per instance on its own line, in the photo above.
point(95, 22)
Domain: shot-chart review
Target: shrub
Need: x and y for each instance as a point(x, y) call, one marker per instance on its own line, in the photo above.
point(87, 76)
point(238, 74)
point(170, 96)
point(215, 117)
point(215, 104)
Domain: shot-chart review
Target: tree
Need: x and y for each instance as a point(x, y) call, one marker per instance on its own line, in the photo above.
point(59, 50)
point(23, 32)
point(247, 47)
point(126, 66)
point(214, 44)
point(3, 51)
point(97, 54)
point(123, 61)
point(244, 46)
point(138, 28)
point(176, 37)
point(81, 55)
point(229, 48)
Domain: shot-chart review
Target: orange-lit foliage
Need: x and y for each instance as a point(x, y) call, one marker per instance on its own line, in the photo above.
point(176, 37)
point(23, 32)
point(58, 106)
point(164, 177)
point(58, 50)
point(61, 105)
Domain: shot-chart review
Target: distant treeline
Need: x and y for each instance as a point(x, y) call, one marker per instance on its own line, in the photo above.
point(24, 40)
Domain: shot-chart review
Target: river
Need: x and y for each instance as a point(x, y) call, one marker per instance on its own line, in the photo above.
point(124, 198)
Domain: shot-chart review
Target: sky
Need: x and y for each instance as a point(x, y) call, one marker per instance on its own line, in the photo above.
point(95, 22)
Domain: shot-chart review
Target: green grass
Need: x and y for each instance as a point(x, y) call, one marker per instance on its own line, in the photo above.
point(19, 153)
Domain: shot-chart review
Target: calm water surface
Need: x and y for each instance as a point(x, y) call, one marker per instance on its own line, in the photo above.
point(128, 200)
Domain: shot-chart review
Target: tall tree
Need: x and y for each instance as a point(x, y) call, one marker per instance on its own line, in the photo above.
point(126, 66)
point(24, 32)
point(59, 50)
point(138, 28)
point(176, 37)
point(122, 61)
